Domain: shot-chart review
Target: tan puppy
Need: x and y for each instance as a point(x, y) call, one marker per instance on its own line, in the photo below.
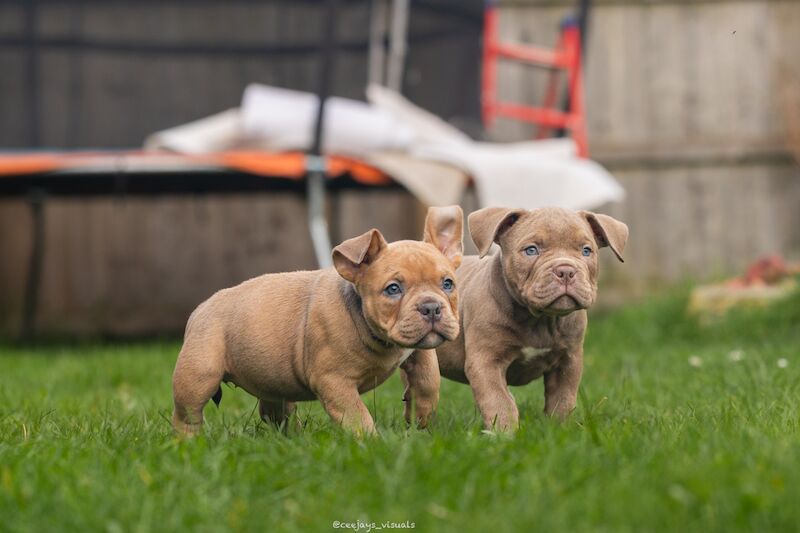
point(329, 334)
point(523, 310)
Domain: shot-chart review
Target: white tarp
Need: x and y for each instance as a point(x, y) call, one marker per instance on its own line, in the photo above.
point(526, 174)
point(428, 156)
point(285, 120)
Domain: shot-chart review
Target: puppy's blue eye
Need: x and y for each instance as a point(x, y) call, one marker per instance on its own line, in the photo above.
point(448, 285)
point(587, 251)
point(531, 250)
point(393, 289)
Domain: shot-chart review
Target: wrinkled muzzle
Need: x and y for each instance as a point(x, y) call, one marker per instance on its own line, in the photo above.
point(425, 323)
point(560, 286)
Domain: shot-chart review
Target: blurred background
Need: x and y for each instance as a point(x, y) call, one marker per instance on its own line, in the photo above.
point(693, 106)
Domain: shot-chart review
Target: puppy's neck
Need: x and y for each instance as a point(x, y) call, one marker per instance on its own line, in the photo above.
point(353, 304)
point(503, 294)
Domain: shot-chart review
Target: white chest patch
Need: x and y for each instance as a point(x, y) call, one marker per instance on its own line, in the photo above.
point(529, 353)
point(405, 355)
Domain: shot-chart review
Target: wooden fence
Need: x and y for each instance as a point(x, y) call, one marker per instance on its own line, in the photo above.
point(684, 108)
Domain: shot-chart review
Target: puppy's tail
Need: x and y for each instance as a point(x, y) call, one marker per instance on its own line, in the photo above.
point(217, 396)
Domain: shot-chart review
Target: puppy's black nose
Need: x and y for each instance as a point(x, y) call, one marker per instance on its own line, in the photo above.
point(564, 273)
point(430, 310)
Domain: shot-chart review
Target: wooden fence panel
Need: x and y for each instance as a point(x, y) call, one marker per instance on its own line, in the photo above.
point(124, 266)
point(684, 109)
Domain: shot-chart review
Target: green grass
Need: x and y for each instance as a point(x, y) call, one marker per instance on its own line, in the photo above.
point(656, 444)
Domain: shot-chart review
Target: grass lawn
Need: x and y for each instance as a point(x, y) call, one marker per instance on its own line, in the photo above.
point(679, 427)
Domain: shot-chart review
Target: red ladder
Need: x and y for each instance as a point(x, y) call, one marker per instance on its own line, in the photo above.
point(566, 56)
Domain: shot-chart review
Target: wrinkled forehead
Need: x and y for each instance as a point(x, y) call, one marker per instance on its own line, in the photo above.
point(551, 226)
point(411, 261)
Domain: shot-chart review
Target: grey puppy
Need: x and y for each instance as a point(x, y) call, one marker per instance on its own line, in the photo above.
point(523, 310)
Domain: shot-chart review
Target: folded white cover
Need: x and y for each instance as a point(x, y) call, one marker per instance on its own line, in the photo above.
point(526, 174)
point(431, 158)
point(284, 120)
point(216, 133)
point(523, 175)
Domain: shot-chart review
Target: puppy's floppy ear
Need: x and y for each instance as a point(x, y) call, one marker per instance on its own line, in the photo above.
point(444, 228)
point(487, 224)
point(352, 256)
point(607, 232)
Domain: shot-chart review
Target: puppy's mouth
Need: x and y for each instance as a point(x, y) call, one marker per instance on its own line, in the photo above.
point(561, 301)
point(435, 334)
point(428, 337)
point(565, 303)
point(432, 339)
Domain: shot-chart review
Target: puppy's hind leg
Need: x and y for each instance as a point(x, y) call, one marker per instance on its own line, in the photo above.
point(277, 412)
point(197, 377)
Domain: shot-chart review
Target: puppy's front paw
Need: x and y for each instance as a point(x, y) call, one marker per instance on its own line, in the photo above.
point(418, 409)
point(187, 430)
point(560, 411)
point(361, 431)
point(506, 421)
